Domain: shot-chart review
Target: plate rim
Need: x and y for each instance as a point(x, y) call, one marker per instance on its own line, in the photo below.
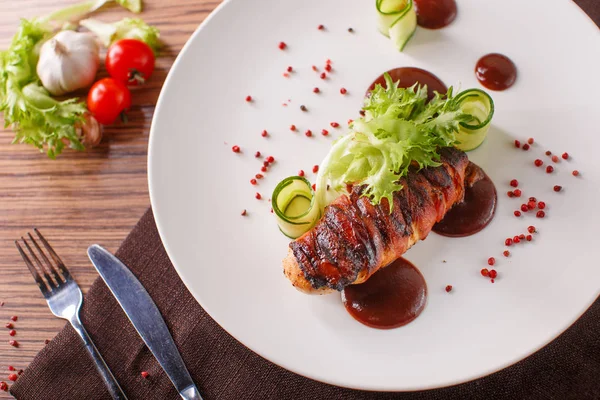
point(369, 388)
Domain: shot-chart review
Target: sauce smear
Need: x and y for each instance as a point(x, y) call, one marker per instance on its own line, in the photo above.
point(392, 297)
point(435, 14)
point(473, 214)
point(496, 71)
point(408, 76)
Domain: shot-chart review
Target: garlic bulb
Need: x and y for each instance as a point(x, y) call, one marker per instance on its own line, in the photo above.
point(69, 61)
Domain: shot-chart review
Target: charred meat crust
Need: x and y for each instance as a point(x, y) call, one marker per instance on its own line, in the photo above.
point(354, 236)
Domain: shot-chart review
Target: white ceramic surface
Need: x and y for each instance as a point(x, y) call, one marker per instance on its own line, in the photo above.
point(231, 264)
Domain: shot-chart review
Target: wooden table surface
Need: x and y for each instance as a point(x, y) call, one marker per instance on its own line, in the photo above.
point(80, 198)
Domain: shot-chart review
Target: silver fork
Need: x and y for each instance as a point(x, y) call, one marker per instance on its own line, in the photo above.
point(64, 298)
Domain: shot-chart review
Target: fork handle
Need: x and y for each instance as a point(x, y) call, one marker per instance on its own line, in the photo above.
point(109, 380)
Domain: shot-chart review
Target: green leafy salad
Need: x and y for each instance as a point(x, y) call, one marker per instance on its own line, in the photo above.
point(400, 128)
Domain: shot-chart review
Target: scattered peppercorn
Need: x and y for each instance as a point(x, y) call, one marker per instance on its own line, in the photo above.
point(350, 121)
point(328, 68)
point(314, 68)
point(263, 168)
point(555, 159)
point(485, 272)
point(315, 169)
point(343, 91)
point(514, 183)
point(532, 199)
point(301, 173)
point(526, 147)
point(448, 288)
point(557, 188)
point(270, 159)
point(516, 239)
point(145, 374)
point(529, 238)
point(491, 261)
point(324, 132)
point(548, 153)
point(530, 140)
point(334, 124)
point(8, 325)
point(506, 253)
point(13, 343)
point(244, 212)
point(323, 75)
point(531, 229)
point(521, 236)
point(11, 368)
point(264, 133)
point(540, 214)
point(524, 208)
point(350, 30)
point(290, 69)
point(314, 187)
point(541, 205)
point(12, 377)
point(282, 45)
point(538, 163)
point(493, 274)
point(12, 332)
point(508, 242)
point(308, 133)
point(236, 149)
point(253, 181)
point(565, 156)
point(320, 27)
point(46, 341)
point(14, 318)
point(549, 169)
point(510, 193)
point(258, 196)
point(575, 173)
point(3, 386)
point(517, 192)
point(293, 128)
point(257, 154)
point(303, 107)
point(517, 144)
point(517, 213)
point(531, 205)
point(248, 99)
point(316, 90)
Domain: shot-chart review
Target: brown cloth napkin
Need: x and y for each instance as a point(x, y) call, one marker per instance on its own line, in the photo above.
point(568, 368)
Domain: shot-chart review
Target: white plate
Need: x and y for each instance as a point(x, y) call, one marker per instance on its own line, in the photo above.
point(231, 264)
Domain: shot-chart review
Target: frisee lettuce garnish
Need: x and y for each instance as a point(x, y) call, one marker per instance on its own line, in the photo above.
point(400, 128)
point(36, 117)
point(127, 28)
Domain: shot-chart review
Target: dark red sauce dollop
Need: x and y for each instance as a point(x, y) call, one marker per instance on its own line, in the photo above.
point(496, 71)
point(408, 76)
point(435, 14)
point(473, 214)
point(392, 297)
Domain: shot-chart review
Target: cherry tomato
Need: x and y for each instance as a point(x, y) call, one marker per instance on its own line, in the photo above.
point(130, 61)
point(107, 99)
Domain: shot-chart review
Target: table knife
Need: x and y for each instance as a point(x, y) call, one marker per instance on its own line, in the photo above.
point(145, 317)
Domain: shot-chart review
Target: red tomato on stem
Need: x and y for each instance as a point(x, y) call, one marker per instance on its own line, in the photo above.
point(107, 99)
point(130, 61)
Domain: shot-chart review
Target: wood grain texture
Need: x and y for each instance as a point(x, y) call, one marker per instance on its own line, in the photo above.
point(80, 198)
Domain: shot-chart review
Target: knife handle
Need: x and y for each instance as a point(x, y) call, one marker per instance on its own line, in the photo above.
point(109, 380)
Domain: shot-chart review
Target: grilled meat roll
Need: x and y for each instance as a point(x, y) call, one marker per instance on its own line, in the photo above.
point(355, 238)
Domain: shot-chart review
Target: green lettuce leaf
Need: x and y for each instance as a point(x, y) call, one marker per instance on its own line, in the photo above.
point(36, 118)
point(127, 28)
point(400, 128)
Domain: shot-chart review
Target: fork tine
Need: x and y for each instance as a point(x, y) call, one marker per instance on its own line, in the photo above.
point(61, 266)
point(31, 267)
point(48, 268)
point(40, 266)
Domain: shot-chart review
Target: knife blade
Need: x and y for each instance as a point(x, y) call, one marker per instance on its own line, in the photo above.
point(145, 317)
